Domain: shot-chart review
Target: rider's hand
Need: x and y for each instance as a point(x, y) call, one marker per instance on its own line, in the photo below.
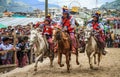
point(65, 28)
point(97, 30)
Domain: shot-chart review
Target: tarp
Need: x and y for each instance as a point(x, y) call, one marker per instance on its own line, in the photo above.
point(2, 26)
point(11, 21)
point(113, 18)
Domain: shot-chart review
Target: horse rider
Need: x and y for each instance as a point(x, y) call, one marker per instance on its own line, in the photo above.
point(99, 30)
point(68, 24)
point(51, 20)
point(81, 40)
point(47, 31)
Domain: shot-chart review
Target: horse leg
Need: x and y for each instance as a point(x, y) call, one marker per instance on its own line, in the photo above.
point(90, 60)
point(60, 59)
point(51, 62)
point(68, 62)
point(95, 59)
point(77, 62)
point(51, 59)
point(70, 56)
point(36, 62)
point(99, 57)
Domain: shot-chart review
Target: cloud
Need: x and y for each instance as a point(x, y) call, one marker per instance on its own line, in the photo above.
point(84, 3)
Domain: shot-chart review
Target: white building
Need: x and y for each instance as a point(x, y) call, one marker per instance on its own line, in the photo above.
point(55, 11)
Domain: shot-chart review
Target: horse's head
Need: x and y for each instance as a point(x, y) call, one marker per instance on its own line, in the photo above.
point(56, 34)
point(33, 36)
point(87, 34)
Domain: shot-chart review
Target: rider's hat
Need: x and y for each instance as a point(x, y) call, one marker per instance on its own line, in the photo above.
point(47, 19)
point(98, 13)
point(48, 15)
point(95, 15)
point(65, 9)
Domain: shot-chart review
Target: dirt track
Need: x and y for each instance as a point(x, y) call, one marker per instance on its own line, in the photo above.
point(109, 67)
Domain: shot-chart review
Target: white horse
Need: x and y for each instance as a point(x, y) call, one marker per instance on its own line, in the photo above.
point(92, 48)
point(39, 42)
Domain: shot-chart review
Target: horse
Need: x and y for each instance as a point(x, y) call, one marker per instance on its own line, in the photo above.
point(92, 48)
point(41, 46)
point(64, 46)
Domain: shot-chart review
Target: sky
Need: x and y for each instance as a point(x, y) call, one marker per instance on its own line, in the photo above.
point(82, 3)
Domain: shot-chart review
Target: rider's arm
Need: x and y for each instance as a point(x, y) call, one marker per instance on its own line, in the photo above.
point(101, 27)
point(72, 22)
point(89, 26)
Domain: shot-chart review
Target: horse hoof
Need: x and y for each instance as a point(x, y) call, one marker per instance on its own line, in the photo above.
point(95, 63)
point(35, 69)
point(68, 71)
point(61, 65)
point(91, 67)
point(51, 65)
point(78, 63)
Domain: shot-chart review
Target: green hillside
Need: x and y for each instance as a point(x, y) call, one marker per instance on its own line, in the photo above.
point(112, 5)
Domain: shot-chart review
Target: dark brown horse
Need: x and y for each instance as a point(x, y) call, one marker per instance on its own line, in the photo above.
point(64, 47)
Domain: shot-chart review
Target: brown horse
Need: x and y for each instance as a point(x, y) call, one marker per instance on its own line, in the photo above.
point(64, 47)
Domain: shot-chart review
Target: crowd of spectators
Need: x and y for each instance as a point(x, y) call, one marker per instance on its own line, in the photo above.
point(21, 47)
point(112, 40)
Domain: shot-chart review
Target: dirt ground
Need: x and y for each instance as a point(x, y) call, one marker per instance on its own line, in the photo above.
point(109, 67)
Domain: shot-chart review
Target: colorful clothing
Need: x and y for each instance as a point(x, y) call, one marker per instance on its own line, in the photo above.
point(69, 23)
point(99, 35)
point(47, 31)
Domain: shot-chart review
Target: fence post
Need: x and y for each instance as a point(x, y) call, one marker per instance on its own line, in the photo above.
point(14, 45)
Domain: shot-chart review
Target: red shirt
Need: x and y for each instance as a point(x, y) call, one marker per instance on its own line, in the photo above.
point(66, 22)
point(96, 26)
point(47, 29)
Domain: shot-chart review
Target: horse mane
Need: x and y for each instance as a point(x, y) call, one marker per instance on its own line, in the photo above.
point(63, 39)
point(58, 35)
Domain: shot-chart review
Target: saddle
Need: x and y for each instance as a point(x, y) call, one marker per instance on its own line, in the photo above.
point(98, 42)
point(66, 39)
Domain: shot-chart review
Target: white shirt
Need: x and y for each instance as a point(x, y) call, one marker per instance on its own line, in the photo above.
point(6, 47)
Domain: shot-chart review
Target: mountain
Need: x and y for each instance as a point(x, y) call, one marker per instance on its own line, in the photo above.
point(23, 5)
point(112, 5)
point(14, 6)
point(38, 4)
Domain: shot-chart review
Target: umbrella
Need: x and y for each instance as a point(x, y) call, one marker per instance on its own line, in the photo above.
point(2, 26)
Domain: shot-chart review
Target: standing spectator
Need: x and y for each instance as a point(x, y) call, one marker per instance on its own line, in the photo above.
point(112, 38)
point(0, 54)
point(119, 41)
point(20, 53)
point(27, 47)
point(108, 39)
point(109, 27)
point(6, 58)
point(116, 41)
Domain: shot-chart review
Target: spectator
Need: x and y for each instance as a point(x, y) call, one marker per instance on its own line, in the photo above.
point(116, 41)
point(20, 53)
point(119, 41)
point(108, 40)
point(112, 38)
point(6, 57)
